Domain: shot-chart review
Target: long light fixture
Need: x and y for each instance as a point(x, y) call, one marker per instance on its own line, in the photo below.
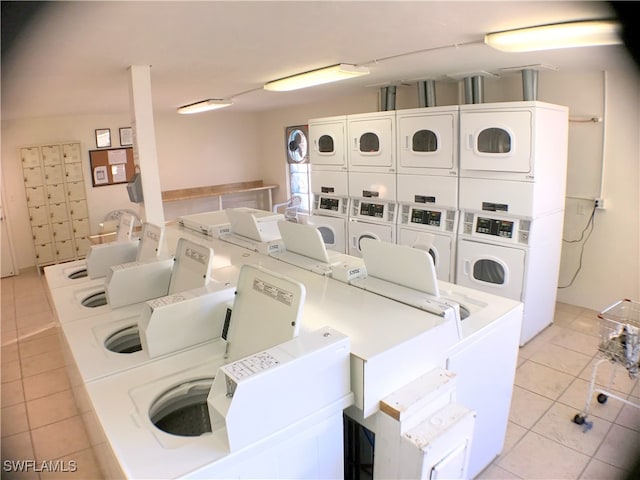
point(334, 73)
point(560, 35)
point(204, 106)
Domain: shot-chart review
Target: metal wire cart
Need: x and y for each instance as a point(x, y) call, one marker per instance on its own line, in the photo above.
point(619, 345)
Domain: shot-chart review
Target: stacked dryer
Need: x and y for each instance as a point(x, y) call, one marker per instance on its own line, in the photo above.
point(427, 183)
point(513, 159)
point(371, 153)
point(329, 180)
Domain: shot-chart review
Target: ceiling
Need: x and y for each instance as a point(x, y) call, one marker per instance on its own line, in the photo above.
point(70, 58)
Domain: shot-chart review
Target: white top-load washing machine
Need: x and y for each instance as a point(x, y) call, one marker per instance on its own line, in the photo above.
point(373, 209)
point(99, 258)
point(329, 180)
point(489, 329)
point(129, 284)
point(267, 403)
point(104, 344)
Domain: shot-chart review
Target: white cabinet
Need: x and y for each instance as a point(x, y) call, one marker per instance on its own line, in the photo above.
point(56, 198)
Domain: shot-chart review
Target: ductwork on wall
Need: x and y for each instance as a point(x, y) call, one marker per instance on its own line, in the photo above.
point(474, 89)
point(427, 93)
point(388, 98)
point(529, 84)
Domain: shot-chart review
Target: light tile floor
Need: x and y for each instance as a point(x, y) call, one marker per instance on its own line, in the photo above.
point(40, 421)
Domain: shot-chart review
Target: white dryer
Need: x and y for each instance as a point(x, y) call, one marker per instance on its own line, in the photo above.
point(373, 209)
point(428, 218)
point(327, 139)
point(428, 141)
point(371, 144)
point(522, 144)
point(330, 207)
point(513, 257)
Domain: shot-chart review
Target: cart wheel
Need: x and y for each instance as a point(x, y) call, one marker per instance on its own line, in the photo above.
point(602, 398)
point(579, 419)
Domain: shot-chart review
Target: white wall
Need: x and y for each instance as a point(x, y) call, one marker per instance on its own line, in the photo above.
point(225, 146)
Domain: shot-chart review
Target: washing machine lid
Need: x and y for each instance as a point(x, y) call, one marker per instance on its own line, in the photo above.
point(258, 225)
point(266, 311)
point(400, 264)
point(149, 248)
point(304, 240)
point(193, 264)
point(210, 223)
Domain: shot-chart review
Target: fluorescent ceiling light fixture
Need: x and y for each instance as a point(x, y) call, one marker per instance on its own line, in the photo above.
point(342, 71)
point(204, 106)
point(561, 35)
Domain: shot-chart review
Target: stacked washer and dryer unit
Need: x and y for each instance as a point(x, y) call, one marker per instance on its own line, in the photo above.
point(485, 181)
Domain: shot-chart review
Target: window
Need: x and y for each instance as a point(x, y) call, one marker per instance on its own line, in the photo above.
point(298, 163)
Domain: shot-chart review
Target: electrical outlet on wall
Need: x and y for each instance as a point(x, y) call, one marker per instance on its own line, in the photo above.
point(599, 203)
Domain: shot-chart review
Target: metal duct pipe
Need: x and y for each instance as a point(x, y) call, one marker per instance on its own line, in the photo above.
point(387, 98)
point(474, 89)
point(427, 93)
point(478, 89)
point(529, 84)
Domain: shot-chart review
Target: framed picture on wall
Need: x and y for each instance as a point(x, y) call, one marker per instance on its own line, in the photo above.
point(103, 137)
point(126, 136)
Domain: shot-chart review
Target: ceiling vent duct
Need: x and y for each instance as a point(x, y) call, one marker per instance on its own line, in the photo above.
point(388, 98)
point(474, 89)
point(427, 93)
point(529, 84)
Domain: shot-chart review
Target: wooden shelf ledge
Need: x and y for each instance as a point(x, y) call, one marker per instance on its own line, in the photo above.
point(218, 191)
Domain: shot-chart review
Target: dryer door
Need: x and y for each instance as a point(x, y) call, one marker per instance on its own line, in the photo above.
point(496, 141)
point(426, 142)
point(491, 268)
point(440, 251)
point(360, 230)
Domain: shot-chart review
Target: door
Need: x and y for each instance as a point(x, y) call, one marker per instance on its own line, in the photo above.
point(372, 143)
point(491, 268)
point(426, 142)
point(332, 230)
point(496, 141)
point(361, 230)
point(7, 261)
point(440, 250)
point(327, 143)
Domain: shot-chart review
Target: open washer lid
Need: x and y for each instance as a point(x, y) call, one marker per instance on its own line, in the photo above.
point(192, 269)
point(266, 311)
point(151, 240)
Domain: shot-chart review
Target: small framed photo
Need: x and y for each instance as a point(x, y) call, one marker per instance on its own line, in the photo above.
point(126, 136)
point(103, 137)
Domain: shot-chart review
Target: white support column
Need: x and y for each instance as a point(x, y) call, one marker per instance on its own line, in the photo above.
point(144, 142)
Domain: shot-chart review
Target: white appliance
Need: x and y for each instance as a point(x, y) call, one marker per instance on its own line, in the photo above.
point(373, 209)
point(254, 229)
point(203, 411)
point(123, 249)
point(371, 143)
point(523, 144)
point(214, 223)
point(329, 180)
point(428, 218)
point(513, 257)
point(427, 141)
point(327, 144)
point(105, 344)
point(128, 285)
point(489, 332)
point(305, 248)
